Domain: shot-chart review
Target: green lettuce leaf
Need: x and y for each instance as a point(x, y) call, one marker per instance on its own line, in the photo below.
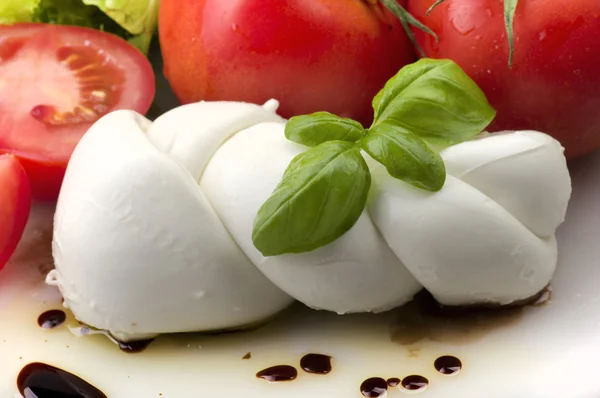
point(138, 17)
point(132, 20)
point(13, 11)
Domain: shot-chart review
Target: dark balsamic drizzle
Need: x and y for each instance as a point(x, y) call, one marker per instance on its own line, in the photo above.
point(278, 373)
point(393, 382)
point(247, 356)
point(45, 381)
point(448, 365)
point(373, 387)
point(425, 319)
point(316, 363)
point(415, 382)
point(51, 319)
point(133, 347)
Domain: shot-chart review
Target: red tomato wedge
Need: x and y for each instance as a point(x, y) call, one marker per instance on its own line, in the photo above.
point(55, 81)
point(15, 203)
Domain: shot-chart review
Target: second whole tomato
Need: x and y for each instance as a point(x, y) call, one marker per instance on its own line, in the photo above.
point(554, 83)
point(311, 55)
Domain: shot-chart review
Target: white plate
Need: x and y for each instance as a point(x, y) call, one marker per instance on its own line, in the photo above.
point(549, 351)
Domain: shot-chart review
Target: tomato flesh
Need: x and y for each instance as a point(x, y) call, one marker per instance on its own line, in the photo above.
point(15, 204)
point(93, 88)
point(554, 84)
point(55, 82)
point(311, 55)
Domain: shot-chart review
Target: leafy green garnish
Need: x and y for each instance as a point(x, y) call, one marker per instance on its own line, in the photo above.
point(429, 104)
point(132, 20)
point(76, 13)
point(316, 128)
point(13, 11)
point(323, 192)
point(405, 156)
point(138, 17)
point(435, 100)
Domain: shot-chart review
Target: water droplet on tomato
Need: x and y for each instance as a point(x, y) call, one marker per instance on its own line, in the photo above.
point(466, 18)
point(543, 35)
point(461, 26)
point(577, 72)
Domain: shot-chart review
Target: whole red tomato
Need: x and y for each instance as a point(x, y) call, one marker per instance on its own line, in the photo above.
point(554, 84)
point(311, 55)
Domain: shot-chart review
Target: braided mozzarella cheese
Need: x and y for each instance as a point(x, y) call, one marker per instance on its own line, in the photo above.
point(153, 225)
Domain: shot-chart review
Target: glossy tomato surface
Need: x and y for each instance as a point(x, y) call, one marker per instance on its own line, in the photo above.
point(554, 85)
point(15, 203)
point(55, 81)
point(311, 55)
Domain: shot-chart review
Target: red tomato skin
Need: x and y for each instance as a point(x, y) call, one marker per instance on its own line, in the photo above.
point(15, 204)
point(45, 177)
point(311, 55)
point(29, 140)
point(554, 85)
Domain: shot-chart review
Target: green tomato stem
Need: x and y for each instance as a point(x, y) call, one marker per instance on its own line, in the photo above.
point(510, 6)
point(434, 5)
point(406, 19)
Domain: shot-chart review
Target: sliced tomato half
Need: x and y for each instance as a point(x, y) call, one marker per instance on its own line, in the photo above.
point(55, 81)
point(15, 204)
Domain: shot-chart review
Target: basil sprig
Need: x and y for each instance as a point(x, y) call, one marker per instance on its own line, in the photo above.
point(428, 105)
point(434, 100)
point(405, 156)
point(323, 192)
point(317, 128)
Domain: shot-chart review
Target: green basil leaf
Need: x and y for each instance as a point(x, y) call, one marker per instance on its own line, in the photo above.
point(435, 100)
point(405, 156)
point(317, 128)
point(321, 196)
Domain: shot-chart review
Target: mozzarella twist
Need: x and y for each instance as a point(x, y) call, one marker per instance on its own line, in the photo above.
point(154, 221)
